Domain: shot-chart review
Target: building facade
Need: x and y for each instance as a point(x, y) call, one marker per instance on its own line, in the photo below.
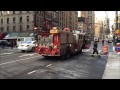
point(68, 19)
point(82, 27)
point(15, 21)
point(99, 29)
point(90, 20)
point(19, 21)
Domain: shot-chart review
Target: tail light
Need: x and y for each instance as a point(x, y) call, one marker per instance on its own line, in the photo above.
point(27, 45)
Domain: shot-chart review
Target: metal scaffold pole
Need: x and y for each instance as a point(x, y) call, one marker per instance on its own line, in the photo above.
point(116, 20)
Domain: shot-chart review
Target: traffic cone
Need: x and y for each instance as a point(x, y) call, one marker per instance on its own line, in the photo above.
point(105, 49)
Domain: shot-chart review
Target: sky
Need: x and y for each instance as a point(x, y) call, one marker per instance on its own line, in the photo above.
point(101, 14)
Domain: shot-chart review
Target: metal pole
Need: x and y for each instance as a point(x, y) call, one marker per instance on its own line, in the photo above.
point(116, 20)
point(35, 19)
point(44, 24)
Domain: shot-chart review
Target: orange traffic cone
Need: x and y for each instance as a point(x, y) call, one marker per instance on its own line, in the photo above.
point(105, 49)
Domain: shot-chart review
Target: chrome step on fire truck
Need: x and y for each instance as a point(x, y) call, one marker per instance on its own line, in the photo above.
point(60, 43)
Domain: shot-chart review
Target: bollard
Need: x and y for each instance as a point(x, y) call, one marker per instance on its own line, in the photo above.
point(105, 49)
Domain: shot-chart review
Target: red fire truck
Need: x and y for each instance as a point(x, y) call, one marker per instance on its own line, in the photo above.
point(61, 43)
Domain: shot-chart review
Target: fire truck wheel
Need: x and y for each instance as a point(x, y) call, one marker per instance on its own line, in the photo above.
point(46, 57)
point(22, 51)
point(68, 53)
point(81, 51)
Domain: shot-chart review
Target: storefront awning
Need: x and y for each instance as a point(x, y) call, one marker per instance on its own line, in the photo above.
point(10, 38)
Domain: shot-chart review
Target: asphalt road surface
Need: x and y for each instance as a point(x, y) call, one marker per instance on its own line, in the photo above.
point(29, 65)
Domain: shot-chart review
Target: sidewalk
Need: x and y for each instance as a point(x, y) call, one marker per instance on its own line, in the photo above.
point(112, 70)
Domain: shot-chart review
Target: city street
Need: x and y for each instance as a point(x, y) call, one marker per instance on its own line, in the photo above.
point(28, 65)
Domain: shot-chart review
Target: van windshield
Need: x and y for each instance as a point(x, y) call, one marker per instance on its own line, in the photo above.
point(20, 39)
point(28, 42)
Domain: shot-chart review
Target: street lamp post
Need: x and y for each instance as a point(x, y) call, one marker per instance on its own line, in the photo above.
point(35, 20)
point(116, 20)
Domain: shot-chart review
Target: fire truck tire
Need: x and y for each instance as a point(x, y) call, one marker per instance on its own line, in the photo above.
point(22, 51)
point(46, 57)
point(68, 53)
point(81, 51)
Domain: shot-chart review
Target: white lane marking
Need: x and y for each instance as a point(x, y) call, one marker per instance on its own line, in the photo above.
point(32, 72)
point(27, 55)
point(18, 60)
point(48, 65)
point(99, 50)
point(7, 53)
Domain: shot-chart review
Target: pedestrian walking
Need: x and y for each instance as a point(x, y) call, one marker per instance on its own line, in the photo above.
point(103, 42)
point(95, 46)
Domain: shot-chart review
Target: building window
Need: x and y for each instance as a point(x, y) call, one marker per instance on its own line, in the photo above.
point(28, 27)
point(8, 12)
point(13, 19)
point(20, 12)
point(7, 28)
point(27, 18)
point(1, 29)
point(20, 28)
point(1, 13)
point(13, 12)
point(1, 21)
point(20, 19)
point(14, 28)
point(7, 20)
point(37, 19)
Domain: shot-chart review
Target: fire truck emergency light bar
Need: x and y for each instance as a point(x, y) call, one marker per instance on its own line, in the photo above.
point(54, 30)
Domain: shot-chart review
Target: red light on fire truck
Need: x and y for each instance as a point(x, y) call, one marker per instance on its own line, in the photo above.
point(35, 28)
point(54, 30)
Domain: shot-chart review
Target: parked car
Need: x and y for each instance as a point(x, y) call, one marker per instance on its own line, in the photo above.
point(6, 43)
point(27, 46)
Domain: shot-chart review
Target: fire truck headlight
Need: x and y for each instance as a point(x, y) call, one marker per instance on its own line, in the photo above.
point(55, 46)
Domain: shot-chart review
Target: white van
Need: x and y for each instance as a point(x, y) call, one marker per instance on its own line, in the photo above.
point(20, 40)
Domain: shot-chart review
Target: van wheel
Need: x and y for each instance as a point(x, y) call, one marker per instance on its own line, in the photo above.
point(33, 49)
point(22, 51)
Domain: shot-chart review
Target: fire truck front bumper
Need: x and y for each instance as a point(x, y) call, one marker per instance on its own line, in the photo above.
point(49, 55)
